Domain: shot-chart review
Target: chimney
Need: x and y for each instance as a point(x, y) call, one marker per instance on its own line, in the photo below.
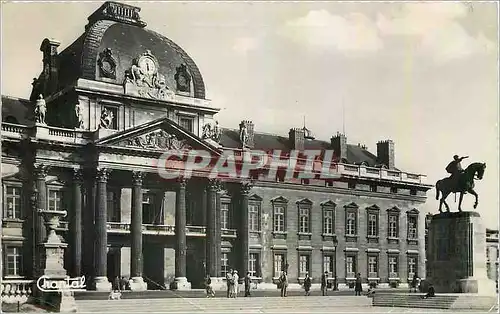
point(385, 153)
point(250, 132)
point(50, 68)
point(296, 137)
point(339, 145)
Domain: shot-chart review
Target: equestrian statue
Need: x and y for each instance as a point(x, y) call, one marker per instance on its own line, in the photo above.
point(461, 181)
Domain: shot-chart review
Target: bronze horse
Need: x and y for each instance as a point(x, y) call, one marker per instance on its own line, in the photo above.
point(463, 184)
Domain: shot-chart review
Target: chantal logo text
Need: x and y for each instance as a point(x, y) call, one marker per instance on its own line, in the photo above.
point(47, 284)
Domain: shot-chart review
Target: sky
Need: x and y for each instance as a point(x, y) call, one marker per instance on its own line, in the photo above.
point(422, 74)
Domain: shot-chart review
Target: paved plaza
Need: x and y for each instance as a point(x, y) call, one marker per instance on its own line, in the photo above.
point(296, 304)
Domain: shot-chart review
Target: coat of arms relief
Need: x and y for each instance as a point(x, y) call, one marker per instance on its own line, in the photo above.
point(144, 80)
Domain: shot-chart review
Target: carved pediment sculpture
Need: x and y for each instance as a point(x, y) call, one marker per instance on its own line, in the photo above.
point(107, 64)
point(157, 140)
point(183, 79)
point(211, 131)
point(40, 110)
point(143, 79)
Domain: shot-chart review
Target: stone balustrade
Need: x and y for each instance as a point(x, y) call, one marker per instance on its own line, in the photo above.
point(17, 290)
point(167, 230)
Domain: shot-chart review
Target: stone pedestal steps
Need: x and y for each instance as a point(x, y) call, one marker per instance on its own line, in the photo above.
point(218, 305)
point(457, 301)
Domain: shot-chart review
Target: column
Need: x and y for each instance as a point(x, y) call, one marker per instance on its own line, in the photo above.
point(138, 283)
point(101, 241)
point(181, 282)
point(245, 191)
point(218, 236)
point(40, 192)
point(213, 227)
point(76, 224)
point(89, 234)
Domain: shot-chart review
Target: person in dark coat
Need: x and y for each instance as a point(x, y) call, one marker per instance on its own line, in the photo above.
point(116, 284)
point(357, 287)
point(414, 283)
point(307, 284)
point(248, 281)
point(324, 283)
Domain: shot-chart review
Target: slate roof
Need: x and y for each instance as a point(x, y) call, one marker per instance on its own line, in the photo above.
point(263, 141)
point(127, 42)
point(16, 108)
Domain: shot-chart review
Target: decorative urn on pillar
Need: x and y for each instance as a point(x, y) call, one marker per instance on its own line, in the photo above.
point(54, 285)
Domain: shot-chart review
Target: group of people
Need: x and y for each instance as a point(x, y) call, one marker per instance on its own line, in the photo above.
point(232, 282)
point(121, 284)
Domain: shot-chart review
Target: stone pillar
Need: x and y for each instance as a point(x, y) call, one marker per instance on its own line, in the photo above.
point(213, 226)
point(136, 265)
point(40, 172)
point(245, 237)
point(89, 234)
point(456, 259)
point(218, 236)
point(76, 225)
point(101, 241)
point(181, 282)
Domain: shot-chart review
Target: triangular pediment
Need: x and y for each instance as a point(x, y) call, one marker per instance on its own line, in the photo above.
point(328, 203)
point(304, 201)
point(279, 199)
point(157, 135)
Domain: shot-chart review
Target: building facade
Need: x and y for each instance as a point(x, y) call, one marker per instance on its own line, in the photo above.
point(112, 103)
point(492, 254)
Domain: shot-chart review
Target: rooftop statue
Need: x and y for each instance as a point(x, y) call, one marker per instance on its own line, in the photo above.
point(40, 110)
point(460, 181)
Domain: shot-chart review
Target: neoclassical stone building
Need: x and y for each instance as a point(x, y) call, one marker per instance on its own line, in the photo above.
point(117, 98)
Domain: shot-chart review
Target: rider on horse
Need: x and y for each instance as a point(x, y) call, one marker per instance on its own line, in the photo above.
point(455, 168)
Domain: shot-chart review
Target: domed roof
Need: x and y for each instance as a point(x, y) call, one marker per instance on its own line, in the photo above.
point(115, 29)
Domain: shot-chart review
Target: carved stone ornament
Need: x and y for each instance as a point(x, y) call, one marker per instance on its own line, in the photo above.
point(211, 131)
point(107, 64)
point(79, 116)
point(107, 118)
point(143, 79)
point(40, 110)
point(158, 140)
point(183, 79)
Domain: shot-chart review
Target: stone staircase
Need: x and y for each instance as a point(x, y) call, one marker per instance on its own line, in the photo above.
point(224, 305)
point(445, 301)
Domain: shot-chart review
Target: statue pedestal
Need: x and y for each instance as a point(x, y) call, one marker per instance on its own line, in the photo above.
point(456, 256)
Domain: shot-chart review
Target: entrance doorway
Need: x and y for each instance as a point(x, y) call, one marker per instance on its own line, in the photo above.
point(154, 266)
point(114, 263)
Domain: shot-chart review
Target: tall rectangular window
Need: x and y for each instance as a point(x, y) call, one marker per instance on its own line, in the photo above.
point(253, 217)
point(329, 264)
point(224, 264)
point(412, 227)
point(304, 260)
point(13, 258)
point(304, 219)
point(186, 123)
point(148, 208)
point(350, 266)
point(113, 206)
point(253, 264)
point(55, 200)
point(393, 267)
point(393, 226)
point(372, 266)
point(372, 225)
point(328, 221)
point(279, 264)
point(12, 203)
point(224, 215)
point(412, 266)
point(350, 228)
point(279, 218)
